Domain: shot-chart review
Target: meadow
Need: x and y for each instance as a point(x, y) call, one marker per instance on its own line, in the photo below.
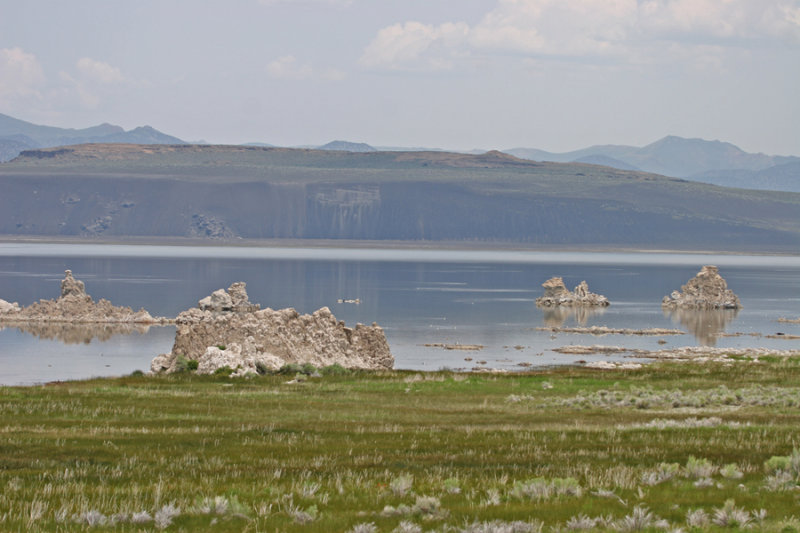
point(670, 447)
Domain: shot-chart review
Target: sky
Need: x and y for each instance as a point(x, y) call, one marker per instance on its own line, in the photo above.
point(557, 75)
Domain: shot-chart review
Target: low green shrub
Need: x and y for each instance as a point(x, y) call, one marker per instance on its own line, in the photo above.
point(182, 364)
point(224, 371)
point(335, 370)
point(777, 463)
point(295, 368)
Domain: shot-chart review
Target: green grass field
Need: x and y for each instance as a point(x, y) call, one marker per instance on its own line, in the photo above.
point(672, 447)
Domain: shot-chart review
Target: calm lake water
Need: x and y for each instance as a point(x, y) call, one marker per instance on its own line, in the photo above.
point(418, 296)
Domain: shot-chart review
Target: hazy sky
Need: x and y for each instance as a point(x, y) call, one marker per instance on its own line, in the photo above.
point(458, 74)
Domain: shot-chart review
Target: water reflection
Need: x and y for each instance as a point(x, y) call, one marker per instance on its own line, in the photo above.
point(556, 316)
point(77, 333)
point(705, 325)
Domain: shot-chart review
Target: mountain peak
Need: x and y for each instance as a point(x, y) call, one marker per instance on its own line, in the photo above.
point(712, 161)
point(674, 140)
point(36, 136)
point(347, 146)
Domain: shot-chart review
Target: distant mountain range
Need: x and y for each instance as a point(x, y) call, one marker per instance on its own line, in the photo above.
point(346, 146)
point(714, 162)
point(17, 135)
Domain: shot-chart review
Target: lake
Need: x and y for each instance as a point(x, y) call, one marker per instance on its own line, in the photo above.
point(418, 296)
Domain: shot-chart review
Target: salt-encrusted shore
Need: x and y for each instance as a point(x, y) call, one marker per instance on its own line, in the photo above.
point(605, 330)
point(687, 353)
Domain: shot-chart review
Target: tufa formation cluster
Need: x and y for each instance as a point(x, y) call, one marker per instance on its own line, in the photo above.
point(556, 294)
point(226, 330)
point(707, 290)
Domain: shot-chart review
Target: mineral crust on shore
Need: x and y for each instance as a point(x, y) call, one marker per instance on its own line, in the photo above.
point(74, 306)
point(556, 293)
point(226, 330)
point(685, 353)
point(707, 290)
point(605, 330)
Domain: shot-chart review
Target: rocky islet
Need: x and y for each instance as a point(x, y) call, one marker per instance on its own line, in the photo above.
point(557, 294)
point(227, 330)
point(707, 290)
point(75, 306)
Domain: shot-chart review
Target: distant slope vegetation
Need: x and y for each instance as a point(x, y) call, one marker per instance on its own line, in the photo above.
point(231, 192)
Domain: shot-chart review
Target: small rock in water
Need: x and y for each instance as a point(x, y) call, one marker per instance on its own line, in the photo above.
point(556, 294)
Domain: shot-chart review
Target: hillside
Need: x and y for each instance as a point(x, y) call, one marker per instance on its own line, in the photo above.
point(714, 162)
point(783, 177)
point(231, 192)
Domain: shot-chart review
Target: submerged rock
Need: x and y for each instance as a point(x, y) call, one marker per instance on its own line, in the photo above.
point(227, 330)
point(556, 293)
point(707, 290)
point(75, 306)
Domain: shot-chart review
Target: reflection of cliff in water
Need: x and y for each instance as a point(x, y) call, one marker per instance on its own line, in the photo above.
point(556, 316)
point(705, 325)
point(77, 333)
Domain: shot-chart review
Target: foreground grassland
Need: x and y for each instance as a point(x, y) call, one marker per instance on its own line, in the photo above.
point(669, 447)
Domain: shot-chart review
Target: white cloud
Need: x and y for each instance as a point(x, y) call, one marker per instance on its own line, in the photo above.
point(556, 27)
point(617, 29)
point(724, 19)
point(73, 90)
point(98, 71)
point(414, 45)
point(91, 84)
point(340, 3)
point(88, 84)
point(289, 68)
point(332, 74)
point(21, 75)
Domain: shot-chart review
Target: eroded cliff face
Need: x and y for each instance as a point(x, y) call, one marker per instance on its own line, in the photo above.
point(75, 306)
point(227, 330)
point(557, 294)
point(707, 290)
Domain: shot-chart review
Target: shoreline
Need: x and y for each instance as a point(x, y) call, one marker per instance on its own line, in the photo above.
point(352, 244)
